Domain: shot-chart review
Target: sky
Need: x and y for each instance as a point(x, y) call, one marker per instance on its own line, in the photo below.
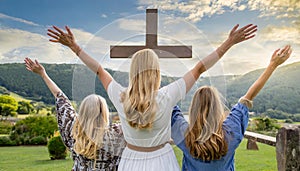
point(97, 24)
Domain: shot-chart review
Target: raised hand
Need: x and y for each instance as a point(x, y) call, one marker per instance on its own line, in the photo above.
point(280, 56)
point(34, 66)
point(65, 38)
point(239, 35)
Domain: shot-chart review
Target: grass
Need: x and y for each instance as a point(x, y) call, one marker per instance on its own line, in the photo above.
point(31, 158)
point(36, 158)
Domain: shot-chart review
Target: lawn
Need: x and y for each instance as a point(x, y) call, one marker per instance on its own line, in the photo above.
point(35, 158)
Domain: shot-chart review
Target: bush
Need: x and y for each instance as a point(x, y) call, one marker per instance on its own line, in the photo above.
point(288, 121)
point(56, 148)
point(5, 127)
point(39, 140)
point(5, 141)
point(34, 126)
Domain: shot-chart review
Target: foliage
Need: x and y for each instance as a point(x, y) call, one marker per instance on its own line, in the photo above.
point(25, 107)
point(56, 148)
point(281, 93)
point(5, 127)
point(8, 105)
point(26, 129)
point(5, 141)
point(38, 140)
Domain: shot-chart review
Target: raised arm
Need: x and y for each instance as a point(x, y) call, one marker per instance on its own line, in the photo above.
point(278, 57)
point(68, 39)
point(236, 36)
point(36, 67)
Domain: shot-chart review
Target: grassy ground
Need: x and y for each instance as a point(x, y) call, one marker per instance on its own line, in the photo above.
point(35, 158)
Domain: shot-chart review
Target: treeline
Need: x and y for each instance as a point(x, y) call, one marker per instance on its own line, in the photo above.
point(281, 93)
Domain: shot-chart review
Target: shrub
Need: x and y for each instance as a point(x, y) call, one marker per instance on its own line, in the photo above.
point(39, 140)
point(288, 121)
point(33, 126)
point(56, 148)
point(5, 141)
point(5, 127)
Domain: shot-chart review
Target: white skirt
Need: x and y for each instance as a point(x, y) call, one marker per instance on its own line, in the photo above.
point(163, 159)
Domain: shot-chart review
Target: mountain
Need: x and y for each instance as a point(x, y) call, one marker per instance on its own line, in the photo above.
point(280, 93)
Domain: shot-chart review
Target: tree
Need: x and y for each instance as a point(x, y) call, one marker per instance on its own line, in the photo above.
point(8, 105)
point(25, 107)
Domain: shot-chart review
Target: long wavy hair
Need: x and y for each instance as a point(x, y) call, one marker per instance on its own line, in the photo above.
point(139, 98)
point(90, 125)
point(205, 137)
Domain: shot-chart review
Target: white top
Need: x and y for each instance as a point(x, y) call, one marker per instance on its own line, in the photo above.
point(160, 132)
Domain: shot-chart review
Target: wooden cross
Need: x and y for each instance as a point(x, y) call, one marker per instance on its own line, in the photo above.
point(151, 42)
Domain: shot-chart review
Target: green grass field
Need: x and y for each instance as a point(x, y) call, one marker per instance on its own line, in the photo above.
point(35, 158)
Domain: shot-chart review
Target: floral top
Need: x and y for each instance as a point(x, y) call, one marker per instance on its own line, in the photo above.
point(113, 140)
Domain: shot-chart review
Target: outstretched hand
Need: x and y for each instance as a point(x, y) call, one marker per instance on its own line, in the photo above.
point(34, 66)
point(280, 56)
point(65, 38)
point(239, 35)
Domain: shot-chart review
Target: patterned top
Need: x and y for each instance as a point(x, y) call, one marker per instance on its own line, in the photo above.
point(234, 128)
point(113, 140)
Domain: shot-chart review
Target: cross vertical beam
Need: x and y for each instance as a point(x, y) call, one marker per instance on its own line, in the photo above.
point(151, 42)
point(151, 28)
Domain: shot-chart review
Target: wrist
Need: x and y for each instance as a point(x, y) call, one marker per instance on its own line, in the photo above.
point(75, 48)
point(272, 66)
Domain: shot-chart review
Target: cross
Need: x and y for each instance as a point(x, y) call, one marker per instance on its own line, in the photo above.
point(151, 43)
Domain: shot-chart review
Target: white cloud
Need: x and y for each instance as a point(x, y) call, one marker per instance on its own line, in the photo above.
point(17, 19)
point(195, 10)
point(103, 15)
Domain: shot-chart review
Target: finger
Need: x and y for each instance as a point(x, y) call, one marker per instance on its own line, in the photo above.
point(245, 27)
point(283, 50)
point(286, 49)
point(55, 41)
point(58, 29)
point(69, 31)
point(53, 36)
point(249, 33)
point(276, 51)
point(30, 61)
point(37, 62)
point(29, 69)
point(250, 37)
point(234, 28)
point(251, 28)
point(53, 32)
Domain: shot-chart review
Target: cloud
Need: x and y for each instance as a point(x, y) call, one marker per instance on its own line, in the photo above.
point(103, 16)
point(17, 19)
point(195, 10)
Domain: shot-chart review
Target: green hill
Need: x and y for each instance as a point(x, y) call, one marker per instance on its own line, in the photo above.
point(280, 93)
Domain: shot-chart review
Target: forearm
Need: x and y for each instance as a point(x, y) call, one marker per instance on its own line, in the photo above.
point(93, 65)
point(206, 63)
point(90, 62)
point(224, 47)
point(51, 84)
point(260, 82)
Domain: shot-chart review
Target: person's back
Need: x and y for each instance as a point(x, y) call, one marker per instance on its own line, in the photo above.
point(208, 141)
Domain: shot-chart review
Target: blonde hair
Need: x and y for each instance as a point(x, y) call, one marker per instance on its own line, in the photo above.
point(144, 80)
point(205, 137)
point(90, 125)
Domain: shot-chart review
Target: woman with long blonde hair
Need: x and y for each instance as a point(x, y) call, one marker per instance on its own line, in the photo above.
point(209, 139)
point(145, 108)
point(94, 143)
